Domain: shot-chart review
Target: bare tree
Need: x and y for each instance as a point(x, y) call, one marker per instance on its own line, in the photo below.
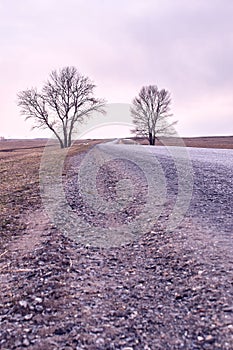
point(65, 100)
point(150, 112)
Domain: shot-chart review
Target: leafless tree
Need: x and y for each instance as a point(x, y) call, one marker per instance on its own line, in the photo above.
point(65, 100)
point(150, 112)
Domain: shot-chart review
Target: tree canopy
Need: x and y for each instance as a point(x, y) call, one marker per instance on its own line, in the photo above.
point(151, 113)
point(66, 99)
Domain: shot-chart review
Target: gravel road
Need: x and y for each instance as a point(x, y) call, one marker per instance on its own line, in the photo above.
point(142, 259)
point(212, 197)
point(184, 183)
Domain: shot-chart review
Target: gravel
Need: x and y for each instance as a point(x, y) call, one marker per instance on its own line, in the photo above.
point(162, 289)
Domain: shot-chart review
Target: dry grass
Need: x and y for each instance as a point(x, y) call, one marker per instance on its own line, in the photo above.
point(224, 142)
point(19, 180)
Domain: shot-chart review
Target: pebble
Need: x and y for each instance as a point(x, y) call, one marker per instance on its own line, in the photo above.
point(38, 300)
point(199, 338)
point(209, 338)
point(26, 342)
point(28, 317)
point(23, 303)
point(99, 342)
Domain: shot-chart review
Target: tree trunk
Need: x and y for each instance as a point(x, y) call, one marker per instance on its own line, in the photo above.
point(150, 138)
point(57, 135)
point(61, 143)
point(70, 135)
point(65, 136)
point(69, 140)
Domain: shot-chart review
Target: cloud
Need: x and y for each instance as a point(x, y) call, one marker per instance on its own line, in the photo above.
point(184, 46)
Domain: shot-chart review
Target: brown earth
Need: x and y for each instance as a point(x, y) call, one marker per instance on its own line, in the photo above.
point(202, 142)
point(55, 294)
point(19, 178)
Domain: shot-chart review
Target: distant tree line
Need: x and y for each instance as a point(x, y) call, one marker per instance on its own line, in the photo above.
point(67, 99)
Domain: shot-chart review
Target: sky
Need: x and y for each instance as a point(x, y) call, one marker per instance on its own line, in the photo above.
point(183, 46)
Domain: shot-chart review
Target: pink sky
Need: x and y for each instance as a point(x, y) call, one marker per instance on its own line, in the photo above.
point(183, 46)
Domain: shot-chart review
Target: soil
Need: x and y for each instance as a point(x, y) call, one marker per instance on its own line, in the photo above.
point(152, 294)
point(223, 142)
point(165, 290)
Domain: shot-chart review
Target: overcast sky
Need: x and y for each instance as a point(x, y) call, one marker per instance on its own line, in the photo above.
point(183, 46)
